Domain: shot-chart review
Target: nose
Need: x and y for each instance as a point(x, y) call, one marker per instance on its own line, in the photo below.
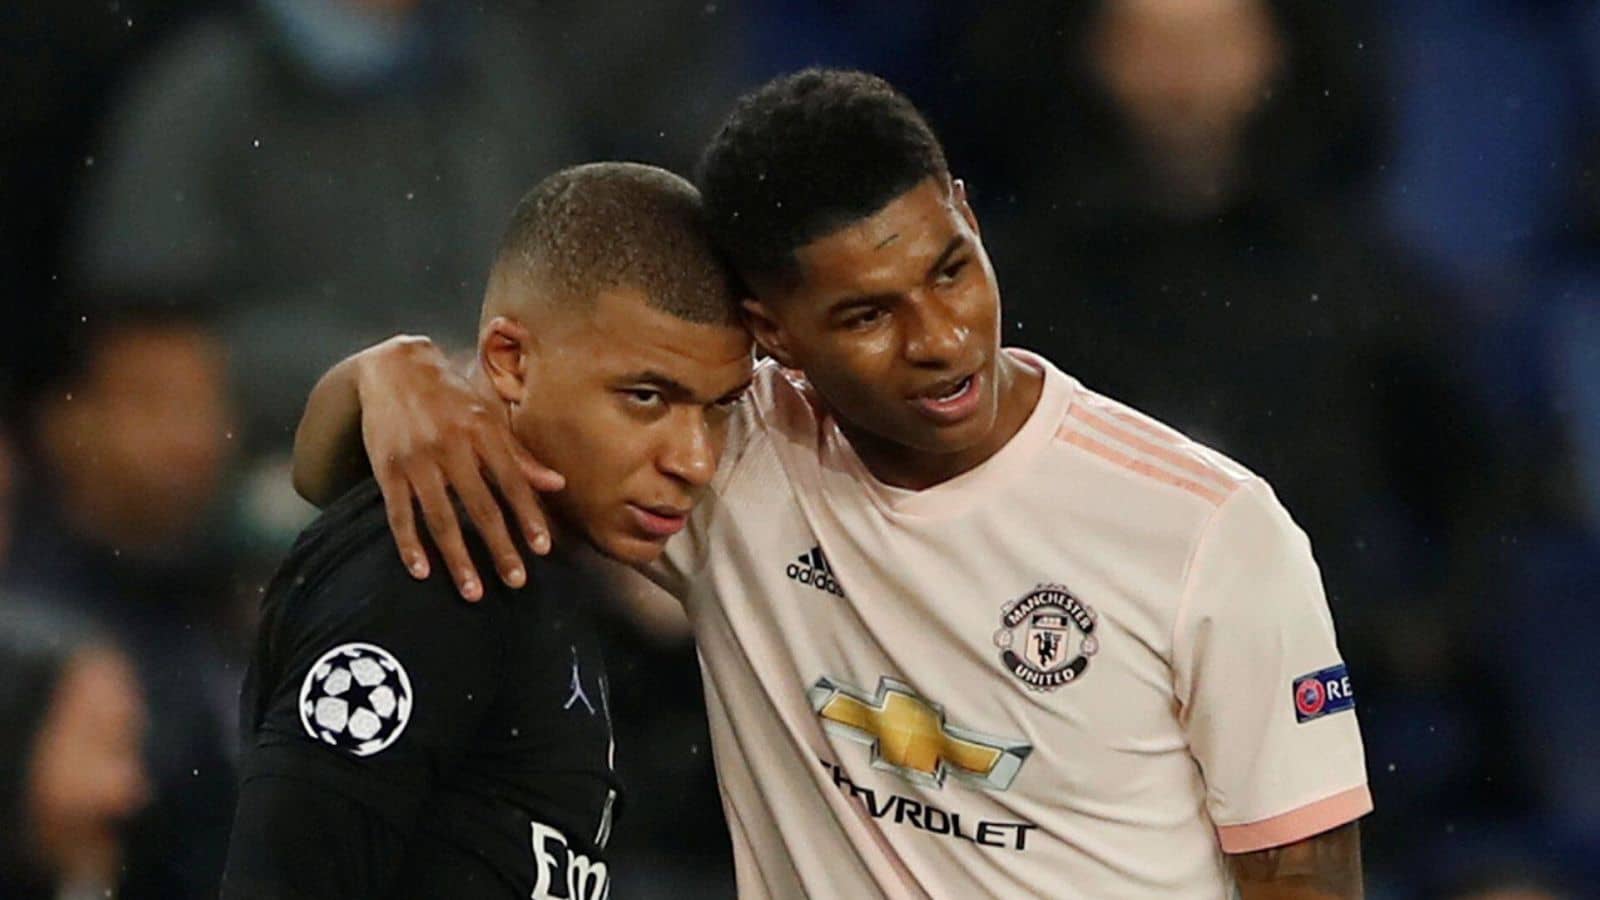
point(934, 333)
point(690, 452)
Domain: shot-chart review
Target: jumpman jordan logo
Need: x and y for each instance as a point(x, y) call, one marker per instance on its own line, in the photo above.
point(578, 692)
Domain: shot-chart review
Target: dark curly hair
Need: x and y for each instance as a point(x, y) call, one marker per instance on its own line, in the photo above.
point(806, 154)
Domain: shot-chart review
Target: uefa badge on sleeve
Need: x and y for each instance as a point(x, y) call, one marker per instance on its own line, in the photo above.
point(357, 697)
point(1322, 693)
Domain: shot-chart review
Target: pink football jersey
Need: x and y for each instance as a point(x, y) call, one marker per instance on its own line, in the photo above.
point(1089, 667)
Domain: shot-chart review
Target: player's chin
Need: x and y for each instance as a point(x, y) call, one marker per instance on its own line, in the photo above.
point(953, 438)
point(630, 548)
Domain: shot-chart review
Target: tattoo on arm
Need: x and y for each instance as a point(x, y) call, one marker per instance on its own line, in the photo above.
point(1324, 867)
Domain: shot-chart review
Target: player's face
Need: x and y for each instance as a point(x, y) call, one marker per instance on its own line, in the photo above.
point(632, 405)
point(895, 320)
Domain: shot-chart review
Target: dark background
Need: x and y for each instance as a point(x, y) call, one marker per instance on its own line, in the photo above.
point(1352, 245)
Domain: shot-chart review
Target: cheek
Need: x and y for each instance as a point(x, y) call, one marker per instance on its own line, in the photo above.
point(597, 448)
point(980, 302)
point(861, 385)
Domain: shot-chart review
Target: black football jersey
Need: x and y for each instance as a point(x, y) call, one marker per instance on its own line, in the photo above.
point(401, 742)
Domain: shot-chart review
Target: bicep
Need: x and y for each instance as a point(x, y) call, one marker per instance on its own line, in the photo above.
point(1326, 866)
point(297, 839)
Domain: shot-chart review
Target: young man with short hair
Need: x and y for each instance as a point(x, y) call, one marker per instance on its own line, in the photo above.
point(399, 744)
point(1043, 645)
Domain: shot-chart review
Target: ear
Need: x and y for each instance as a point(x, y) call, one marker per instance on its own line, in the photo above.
point(767, 331)
point(504, 349)
point(958, 197)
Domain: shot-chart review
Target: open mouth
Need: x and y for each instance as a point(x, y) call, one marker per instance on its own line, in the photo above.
point(954, 391)
point(952, 401)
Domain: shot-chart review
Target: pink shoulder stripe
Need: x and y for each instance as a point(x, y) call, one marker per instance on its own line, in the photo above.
point(1165, 451)
point(1143, 467)
point(1297, 824)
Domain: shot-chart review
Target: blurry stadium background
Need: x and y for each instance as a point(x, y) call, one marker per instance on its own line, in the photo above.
point(1355, 245)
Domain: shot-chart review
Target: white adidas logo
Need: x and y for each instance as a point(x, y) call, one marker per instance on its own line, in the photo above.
point(812, 568)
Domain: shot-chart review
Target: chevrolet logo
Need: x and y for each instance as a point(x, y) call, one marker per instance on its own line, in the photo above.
point(909, 736)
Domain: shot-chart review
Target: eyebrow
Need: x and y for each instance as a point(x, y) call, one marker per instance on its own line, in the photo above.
point(676, 390)
point(668, 385)
point(950, 249)
point(738, 391)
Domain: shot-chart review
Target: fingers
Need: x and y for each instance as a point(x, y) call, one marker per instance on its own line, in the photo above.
point(542, 477)
point(466, 479)
point(440, 517)
point(510, 468)
point(402, 520)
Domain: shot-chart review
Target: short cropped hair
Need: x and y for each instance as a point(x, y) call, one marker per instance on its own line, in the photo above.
point(614, 225)
point(805, 155)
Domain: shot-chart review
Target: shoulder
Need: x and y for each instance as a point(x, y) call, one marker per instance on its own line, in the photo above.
point(344, 583)
point(1152, 454)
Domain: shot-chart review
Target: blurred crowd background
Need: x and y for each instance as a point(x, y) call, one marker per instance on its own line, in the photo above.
point(1355, 245)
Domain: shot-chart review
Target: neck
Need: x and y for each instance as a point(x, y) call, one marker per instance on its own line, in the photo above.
point(1017, 388)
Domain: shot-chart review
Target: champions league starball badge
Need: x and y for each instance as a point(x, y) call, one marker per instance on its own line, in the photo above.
point(357, 697)
point(1046, 638)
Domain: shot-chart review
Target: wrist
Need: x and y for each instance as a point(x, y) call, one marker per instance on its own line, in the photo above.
point(383, 363)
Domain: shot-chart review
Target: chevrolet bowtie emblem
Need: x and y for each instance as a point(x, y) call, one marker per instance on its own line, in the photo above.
point(910, 737)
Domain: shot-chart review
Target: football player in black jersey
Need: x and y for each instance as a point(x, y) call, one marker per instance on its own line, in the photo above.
point(401, 744)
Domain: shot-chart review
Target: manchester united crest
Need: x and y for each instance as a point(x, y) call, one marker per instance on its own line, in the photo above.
point(1046, 637)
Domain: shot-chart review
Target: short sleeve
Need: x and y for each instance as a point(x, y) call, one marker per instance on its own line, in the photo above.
point(1264, 695)
point(378, 682)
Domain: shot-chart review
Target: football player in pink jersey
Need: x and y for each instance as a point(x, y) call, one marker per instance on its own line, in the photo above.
point(873, 293)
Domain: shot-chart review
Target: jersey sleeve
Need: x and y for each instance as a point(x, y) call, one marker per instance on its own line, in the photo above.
point(1264, 695)
point(375, 686)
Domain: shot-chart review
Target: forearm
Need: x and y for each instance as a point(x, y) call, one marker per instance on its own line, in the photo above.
point(330, 452)
point(1324, 867)
point(328, 455)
